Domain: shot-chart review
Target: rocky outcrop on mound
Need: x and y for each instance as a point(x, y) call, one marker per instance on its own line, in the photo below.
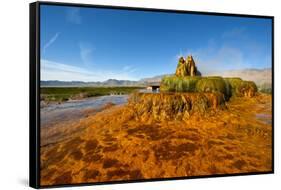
point(167, 106)
point(186, 67)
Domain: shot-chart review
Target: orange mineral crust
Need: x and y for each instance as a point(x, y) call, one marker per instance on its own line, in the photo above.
point(116, 143)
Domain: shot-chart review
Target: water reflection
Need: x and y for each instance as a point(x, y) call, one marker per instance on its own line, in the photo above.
point(149, 91)
point(265, 118)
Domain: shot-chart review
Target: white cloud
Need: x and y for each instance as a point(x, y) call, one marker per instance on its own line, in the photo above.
point(234, 33)
point(86, 53)
point(216, 57)
point(129, 69)
point(51, 41)
point(73, 15)
point(51, 70)
point(225, 58)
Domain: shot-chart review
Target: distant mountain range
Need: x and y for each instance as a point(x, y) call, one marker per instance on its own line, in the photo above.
point(259, 76)
point(109, 82)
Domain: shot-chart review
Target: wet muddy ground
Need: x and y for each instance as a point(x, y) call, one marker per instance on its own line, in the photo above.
point(111, 145)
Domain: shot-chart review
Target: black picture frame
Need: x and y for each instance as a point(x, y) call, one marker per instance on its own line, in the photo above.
point(34, 90)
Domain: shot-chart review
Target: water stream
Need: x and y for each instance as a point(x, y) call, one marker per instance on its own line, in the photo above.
point(75, 109)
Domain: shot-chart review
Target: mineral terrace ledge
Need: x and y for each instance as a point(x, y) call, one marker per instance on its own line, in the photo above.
point(167, 105)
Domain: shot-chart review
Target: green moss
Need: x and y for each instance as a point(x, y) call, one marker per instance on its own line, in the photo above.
point(240, 87)
point(213, 84)
point(179, 84)
point(233, 83)
point(246, 89)
point(227, 86)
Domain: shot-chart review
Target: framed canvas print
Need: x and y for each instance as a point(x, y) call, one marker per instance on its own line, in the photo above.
point(120, 94)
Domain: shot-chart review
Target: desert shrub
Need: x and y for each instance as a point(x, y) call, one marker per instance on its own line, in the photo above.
point(179, 84)
point(213, 84)
point(65, 93)
point(265, 88)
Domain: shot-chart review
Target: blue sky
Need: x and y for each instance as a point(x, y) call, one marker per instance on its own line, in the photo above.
point(88, 44)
